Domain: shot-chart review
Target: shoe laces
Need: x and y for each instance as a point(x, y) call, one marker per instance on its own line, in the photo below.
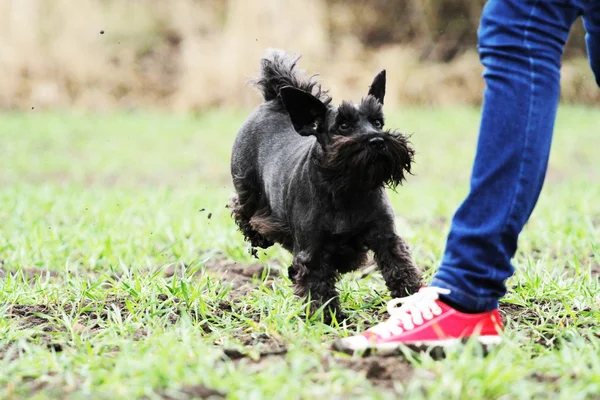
point(414, 311)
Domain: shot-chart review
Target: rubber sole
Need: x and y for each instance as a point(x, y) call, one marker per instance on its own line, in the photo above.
point(435, 347)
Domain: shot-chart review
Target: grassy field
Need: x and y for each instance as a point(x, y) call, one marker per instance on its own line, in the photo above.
point(122, 275)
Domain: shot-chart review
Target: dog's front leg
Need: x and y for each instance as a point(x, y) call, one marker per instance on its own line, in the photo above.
point(393, 257)
point(313, 277)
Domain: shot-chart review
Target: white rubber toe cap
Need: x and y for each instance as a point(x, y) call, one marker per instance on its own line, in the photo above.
point(352, 343)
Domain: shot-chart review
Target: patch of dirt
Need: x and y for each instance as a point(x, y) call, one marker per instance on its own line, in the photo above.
point(525, 316)
point(241, 277)
point(226, 270)
point(39, 314)
point(220, 267)
point(30, 315)
point(262, 343)
point(193, 392)
point(234, 354)
point(9, 348)
point(522, 313)
point(91, 319)
point(93, 314)
point(596, 270)
point(171, 270)
point(29, 273)
point(43, 317)
point(516, 312)
point(240, 274)
point(544, 378)
point(33, 385)
point(381, 371)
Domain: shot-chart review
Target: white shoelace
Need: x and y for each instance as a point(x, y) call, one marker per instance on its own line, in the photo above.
point(415, 310)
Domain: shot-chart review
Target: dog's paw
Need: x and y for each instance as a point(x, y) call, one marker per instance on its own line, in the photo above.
point(333, 313)
point(331, 316)
point(339, 316)
point(328, 314)
point(406, 289)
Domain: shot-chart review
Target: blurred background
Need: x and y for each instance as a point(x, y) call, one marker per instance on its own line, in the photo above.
point(193, 55)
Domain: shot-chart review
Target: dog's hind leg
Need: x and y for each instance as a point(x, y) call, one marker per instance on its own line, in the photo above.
point(243, 207)
point(401, 275)
point(316, 280)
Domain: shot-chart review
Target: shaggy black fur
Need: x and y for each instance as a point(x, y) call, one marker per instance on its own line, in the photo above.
point(312, 177)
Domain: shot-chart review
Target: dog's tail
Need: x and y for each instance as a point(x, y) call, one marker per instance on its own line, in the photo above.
point(278, 70)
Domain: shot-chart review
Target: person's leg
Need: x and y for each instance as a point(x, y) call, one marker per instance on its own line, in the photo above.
point(591, 22)
point(520, 45)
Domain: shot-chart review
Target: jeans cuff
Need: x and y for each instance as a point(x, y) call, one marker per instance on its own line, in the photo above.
point(467, 301)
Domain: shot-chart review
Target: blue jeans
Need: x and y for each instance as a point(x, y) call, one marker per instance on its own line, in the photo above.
point(520, 46)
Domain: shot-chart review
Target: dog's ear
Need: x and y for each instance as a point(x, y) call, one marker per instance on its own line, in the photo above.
point(377, 88)
point(304, 109)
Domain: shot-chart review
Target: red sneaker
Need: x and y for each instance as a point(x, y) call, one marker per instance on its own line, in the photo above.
point(424, 322)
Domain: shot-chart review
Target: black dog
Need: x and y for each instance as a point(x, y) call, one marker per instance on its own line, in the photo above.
point(312, 177)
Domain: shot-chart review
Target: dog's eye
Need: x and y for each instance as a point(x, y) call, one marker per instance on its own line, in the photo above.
point(378, 124)
point(344, 127)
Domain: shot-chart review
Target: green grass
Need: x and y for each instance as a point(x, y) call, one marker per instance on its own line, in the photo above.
point(104, 201)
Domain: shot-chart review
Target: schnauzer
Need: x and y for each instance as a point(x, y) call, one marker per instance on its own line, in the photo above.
point(312, 177)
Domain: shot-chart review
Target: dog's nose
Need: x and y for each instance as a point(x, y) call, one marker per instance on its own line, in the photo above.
point(377, 142)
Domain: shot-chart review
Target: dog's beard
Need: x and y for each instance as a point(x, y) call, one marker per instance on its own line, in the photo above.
point(353, 164)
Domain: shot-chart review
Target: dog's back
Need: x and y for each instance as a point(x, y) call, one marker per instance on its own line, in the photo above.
point(268, 138)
